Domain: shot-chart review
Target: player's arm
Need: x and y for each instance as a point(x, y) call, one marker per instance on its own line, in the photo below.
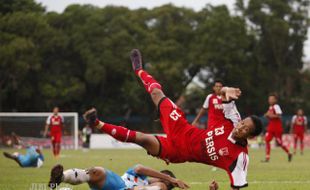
point(277, 114)
point(292, 123)
point(267, 114)
point(202, 112)
point(45, 130)
point(272, 115)
point(62, 122)
point(47, 124)
point(142, 170)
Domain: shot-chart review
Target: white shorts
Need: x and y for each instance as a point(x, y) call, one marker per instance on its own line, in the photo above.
point(238, 171)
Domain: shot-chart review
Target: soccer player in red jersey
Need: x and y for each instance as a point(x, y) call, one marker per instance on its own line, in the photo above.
point(55, 123)
point(223, 146)
point(212, 105)
point(298, 126)
point(274, 128)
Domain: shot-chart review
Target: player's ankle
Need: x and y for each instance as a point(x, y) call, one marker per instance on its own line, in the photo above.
point(138, 72)
point(99, 124)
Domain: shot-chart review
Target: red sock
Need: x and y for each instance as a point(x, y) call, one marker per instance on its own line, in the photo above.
point(285, 148)
point(120, 133)
point(301, 146)
point(149, 82)
point(295, 145)
point(279, 140)
point(58, 148)
point(267, 150)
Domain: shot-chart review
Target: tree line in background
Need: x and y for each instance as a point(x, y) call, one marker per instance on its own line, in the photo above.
point(80, 58)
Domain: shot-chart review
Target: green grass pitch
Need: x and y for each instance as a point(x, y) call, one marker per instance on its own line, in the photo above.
point(276, 175)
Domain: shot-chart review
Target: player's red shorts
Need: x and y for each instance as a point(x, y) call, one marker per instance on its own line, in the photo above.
point(55, 135)
point(174, 147)
point(299, 132)
point(277, 133)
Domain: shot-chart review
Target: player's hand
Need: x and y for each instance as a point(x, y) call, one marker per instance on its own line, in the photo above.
point(179, 183)
point(268, 114)
point(213, 185)
point(196, 124)
point(232, 93)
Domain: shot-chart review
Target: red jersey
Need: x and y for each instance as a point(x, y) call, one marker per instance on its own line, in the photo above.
point(299, 123)
point(275, 124)
point(213, 104)
point(55, 122)
point(213, 146)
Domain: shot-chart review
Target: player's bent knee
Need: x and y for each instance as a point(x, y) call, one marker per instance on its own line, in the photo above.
point(138, 168)
point(148, 142)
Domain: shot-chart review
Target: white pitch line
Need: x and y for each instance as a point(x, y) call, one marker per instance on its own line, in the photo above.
point(283, 182)
point(261, 182)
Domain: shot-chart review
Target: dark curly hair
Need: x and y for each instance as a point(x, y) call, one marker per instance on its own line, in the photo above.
point(258, 125)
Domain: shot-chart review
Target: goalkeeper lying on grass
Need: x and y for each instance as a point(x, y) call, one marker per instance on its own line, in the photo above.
point(137, 178)
point(32, 158)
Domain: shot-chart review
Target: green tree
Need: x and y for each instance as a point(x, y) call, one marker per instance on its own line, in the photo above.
point(10, 6)
point(280, 29)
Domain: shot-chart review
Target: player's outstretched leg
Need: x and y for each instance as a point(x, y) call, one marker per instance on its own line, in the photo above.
point(58, 147)
point(295, 143)
point(120, 133)
point(54, 149)
point(12, 157)
point(289, 155)
point(148, 142)
point(301, 145)
point(268, 138)
point(150, 84)
point(73, 176)
point(8, 155)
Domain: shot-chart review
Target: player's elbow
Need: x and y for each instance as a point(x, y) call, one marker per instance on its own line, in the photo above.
point(139, 168)
point(203, 111)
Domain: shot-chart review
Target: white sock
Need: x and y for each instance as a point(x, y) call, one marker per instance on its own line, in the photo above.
point(75, 176)
point(100, 125)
